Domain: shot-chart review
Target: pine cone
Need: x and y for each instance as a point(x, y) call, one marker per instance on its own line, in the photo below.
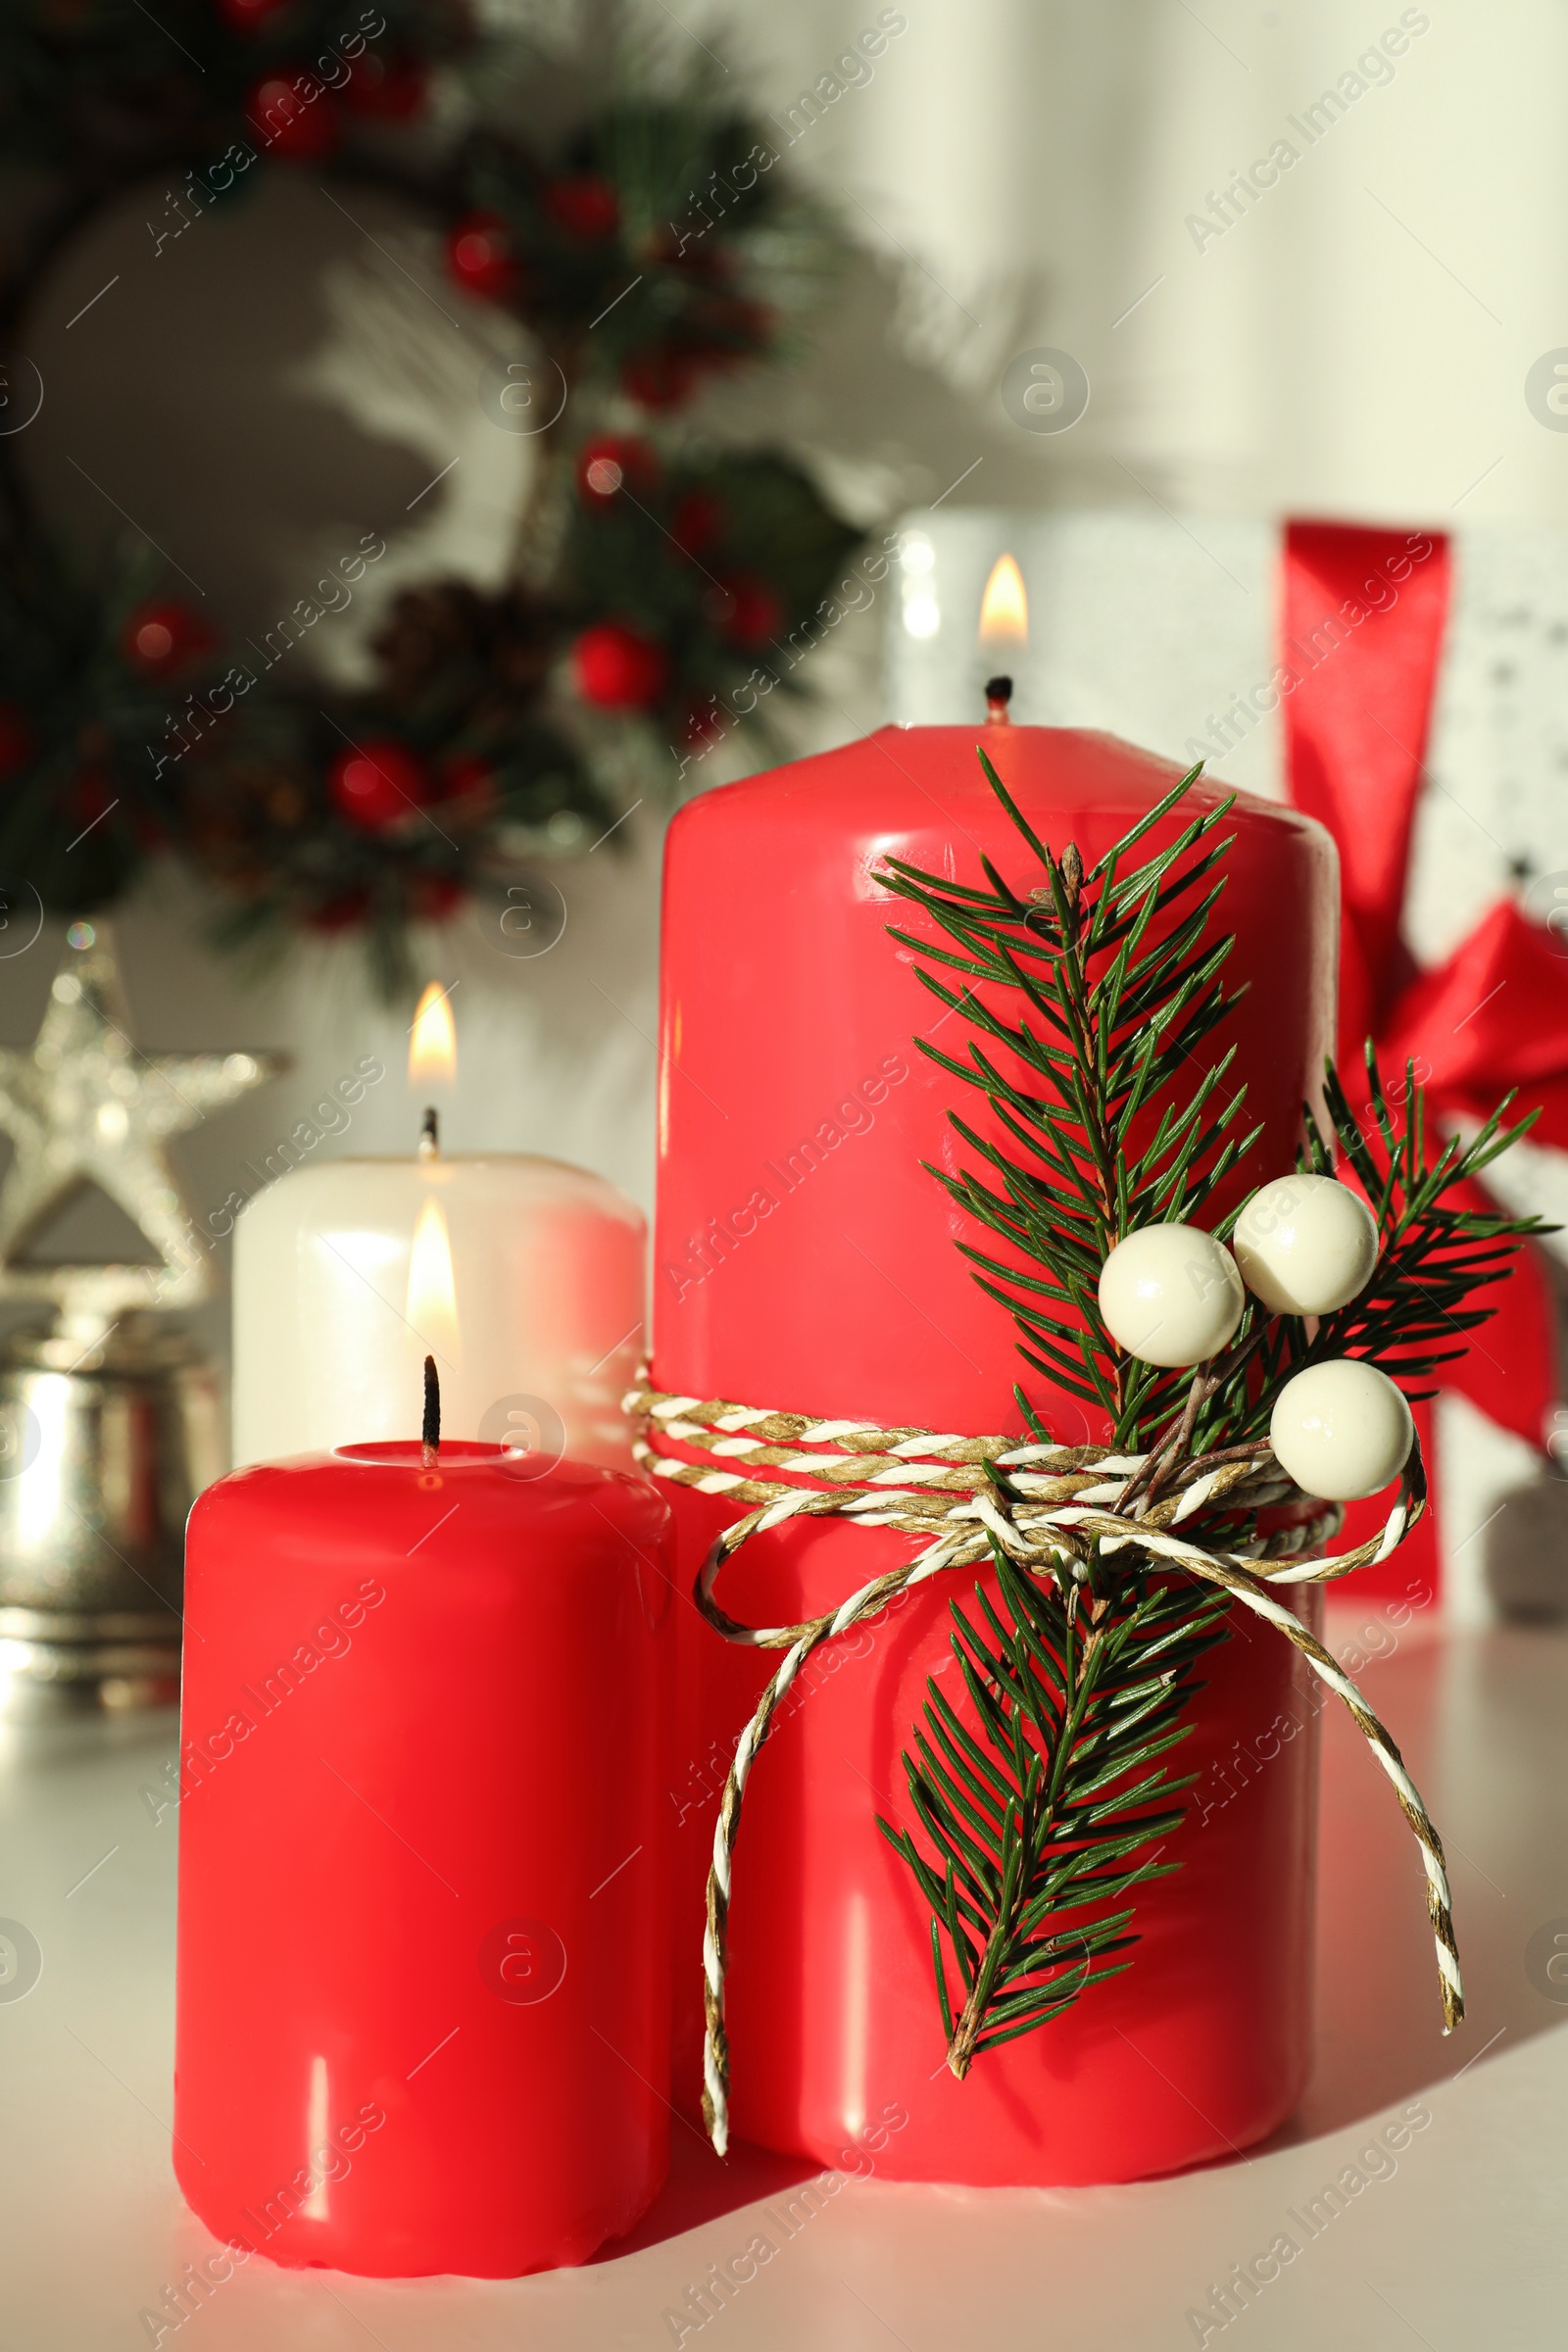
point(452, 642)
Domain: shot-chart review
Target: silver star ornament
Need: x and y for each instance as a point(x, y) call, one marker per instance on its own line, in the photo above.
point(86, 1107)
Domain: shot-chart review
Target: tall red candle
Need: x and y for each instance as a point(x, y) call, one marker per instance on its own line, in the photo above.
point(423, 2006)
point(805, 1260)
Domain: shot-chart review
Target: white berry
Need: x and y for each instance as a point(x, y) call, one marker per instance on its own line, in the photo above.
point(1305, 1244)
point(1170, 1294)
point(1341, 1429)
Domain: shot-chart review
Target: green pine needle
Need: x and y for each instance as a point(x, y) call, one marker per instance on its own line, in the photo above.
point(1111, 985)
point(1038, 1805)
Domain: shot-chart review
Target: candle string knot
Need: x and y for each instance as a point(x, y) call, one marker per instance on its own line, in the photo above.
point(1055, 1510)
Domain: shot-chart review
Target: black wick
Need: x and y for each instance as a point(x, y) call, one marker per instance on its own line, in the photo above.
point(430, 1432)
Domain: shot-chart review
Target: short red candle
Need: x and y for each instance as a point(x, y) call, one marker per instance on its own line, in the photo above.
point(805, 1260)
point(423, 2006)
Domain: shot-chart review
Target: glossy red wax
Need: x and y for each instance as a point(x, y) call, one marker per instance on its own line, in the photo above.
point(422, 2000)
point(805, 1258)
point(836, 2039)
point(788, 1071)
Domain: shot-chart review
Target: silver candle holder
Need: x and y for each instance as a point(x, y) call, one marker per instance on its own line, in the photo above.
point(111, 1419)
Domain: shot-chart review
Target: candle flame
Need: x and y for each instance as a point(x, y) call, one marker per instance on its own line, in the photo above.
point(432, 1306)
point(433, 1040)
point(1005, 608)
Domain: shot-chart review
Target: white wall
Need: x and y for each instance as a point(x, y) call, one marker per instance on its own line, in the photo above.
point(1355, 344)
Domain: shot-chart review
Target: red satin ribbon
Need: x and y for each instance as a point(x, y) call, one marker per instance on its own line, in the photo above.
point(1363, 619)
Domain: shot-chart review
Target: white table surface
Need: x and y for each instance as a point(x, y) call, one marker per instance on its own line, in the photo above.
point(1465, 2245)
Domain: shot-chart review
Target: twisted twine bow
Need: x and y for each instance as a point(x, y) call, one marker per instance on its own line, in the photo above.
point(1050, 1507)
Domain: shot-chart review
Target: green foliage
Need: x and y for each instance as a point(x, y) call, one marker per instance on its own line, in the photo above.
point(80, 75)
point(78, 818)
point(1433, 1260)
point(625, 555)
point(714, 257)
point(1037, 1814)
point(1111, 985)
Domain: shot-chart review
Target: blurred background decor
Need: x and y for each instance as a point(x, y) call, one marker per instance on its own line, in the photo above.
point(650, 586)
point(111, 1419)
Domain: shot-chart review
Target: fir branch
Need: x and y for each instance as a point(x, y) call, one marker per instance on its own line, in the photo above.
point(1433, 1261)
point(1038, 1804)
point(1087, 998)
point(1095, 992)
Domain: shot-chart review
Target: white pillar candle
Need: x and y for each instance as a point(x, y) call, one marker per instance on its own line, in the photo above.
point(522, 1277)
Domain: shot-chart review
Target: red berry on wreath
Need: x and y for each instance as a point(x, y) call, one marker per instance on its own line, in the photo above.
point(434, 898)
point(378, 783)
point(147, 833)
point(339, 914)
point(726, 327)
point(91, 796)
point(660, 377)
point(698, 521)
point(481, 258)
point(702, 723)
point(585, 207)
point(162, 637)
point(15, 739)
point(746, 611)
point(290, 119)
point(252, 15)
point(390, 90)
point(612, 462)
point(616, 668)
point(466, 777)
point(722, 333)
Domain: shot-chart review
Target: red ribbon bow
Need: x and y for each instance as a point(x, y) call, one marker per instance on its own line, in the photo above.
point(1363, 619)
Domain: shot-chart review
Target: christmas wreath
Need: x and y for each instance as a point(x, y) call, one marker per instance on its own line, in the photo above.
point(655, 248)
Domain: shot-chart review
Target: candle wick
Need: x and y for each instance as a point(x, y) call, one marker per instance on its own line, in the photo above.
point(999, 694)
point(430, 1134)
point(431, 1433)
